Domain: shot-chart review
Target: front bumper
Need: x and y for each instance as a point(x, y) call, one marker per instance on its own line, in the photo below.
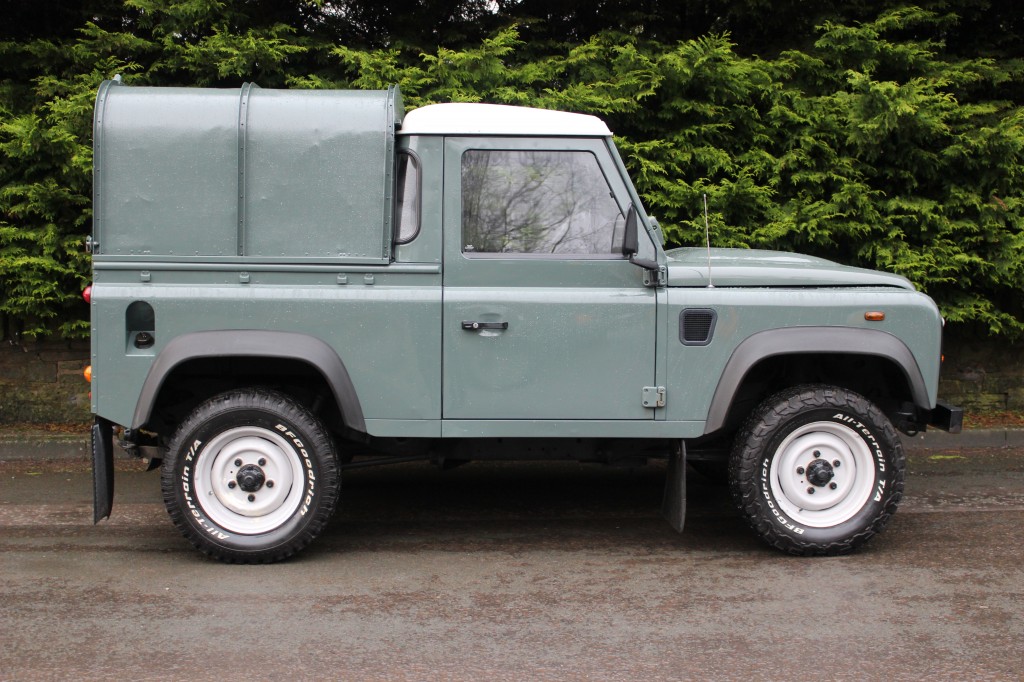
point(947, 418)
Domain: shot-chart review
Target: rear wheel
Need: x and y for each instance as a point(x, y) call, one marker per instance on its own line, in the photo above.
point(251, 477)
point(817, 470)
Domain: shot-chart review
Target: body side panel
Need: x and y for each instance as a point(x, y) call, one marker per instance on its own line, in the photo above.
point(384, 326)
point(695, 371)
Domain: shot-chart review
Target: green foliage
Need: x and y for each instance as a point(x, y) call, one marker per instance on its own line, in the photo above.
point(891, 140)
point(45, 187)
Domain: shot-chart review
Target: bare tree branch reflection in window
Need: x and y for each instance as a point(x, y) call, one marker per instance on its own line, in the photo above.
point(552, 202)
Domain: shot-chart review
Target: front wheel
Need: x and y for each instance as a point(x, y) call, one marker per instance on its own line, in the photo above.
point(250, 477)
point(817, 470)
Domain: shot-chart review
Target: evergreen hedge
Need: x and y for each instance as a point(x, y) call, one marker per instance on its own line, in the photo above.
point(870, 142)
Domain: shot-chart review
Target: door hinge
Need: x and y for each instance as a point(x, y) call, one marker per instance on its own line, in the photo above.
point(656, 278)
point(654, 396)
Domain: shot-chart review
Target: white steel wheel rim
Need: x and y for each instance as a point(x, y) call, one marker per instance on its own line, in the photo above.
point(848, 458)
point(274, 502)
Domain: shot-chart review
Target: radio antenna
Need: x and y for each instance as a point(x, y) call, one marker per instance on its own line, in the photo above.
point(707, 240)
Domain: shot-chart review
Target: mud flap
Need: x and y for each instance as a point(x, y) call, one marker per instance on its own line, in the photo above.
point(673, 504)
point(102, 469)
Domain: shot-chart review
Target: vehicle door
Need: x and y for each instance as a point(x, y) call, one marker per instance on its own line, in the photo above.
point(544, 318)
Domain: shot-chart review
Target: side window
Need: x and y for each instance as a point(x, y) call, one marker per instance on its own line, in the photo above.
point(538, 202)
point(407, 198)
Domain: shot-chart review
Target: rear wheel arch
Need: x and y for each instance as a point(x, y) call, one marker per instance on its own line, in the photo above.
point(216, 360)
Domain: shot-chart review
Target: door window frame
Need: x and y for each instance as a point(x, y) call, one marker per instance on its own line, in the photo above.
point(613, 195)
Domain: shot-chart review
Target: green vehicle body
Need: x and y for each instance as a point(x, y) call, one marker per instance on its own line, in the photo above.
point(313, 241)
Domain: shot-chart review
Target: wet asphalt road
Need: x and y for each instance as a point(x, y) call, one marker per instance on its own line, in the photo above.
point(513, 572)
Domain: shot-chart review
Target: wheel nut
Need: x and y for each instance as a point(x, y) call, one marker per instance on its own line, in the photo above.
point(800, 470)
point(252, 498)
point(836, 463)
point(238, 462)
point(270, 484)
point(810, 491)
point(262, 462)
point(833, 486)
point(817, 453)
point(231, 484)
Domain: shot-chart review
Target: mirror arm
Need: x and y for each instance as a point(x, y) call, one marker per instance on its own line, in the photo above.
point(646, 264)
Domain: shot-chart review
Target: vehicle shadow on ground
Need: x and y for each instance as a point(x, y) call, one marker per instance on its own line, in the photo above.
point(525, 507)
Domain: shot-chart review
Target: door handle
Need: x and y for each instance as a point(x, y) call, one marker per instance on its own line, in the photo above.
point(476, 326)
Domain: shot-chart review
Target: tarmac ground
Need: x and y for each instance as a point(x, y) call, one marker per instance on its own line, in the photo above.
point(515, 571)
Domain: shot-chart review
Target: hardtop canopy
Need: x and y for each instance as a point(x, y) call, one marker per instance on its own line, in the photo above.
point(246, 173)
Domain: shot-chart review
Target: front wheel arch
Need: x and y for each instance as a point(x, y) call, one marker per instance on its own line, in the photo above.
point(814, 353)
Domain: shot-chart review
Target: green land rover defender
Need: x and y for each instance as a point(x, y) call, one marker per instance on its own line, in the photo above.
point(287, 284)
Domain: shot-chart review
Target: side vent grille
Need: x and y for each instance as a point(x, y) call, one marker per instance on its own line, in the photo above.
point(697, 326)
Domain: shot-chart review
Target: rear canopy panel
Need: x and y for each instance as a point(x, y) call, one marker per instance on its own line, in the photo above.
point(244, 174)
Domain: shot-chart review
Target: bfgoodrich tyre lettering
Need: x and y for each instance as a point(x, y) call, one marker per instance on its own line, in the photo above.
point(251, 476)
point(817, 470)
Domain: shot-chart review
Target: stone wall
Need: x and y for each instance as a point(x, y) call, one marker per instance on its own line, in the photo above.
point(42, 382)
point(983, 376)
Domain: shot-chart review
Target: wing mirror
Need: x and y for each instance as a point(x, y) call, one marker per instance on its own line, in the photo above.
point(631, 243)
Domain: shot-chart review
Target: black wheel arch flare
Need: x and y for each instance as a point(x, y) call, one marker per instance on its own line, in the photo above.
point(252, 343)
point(800, 340)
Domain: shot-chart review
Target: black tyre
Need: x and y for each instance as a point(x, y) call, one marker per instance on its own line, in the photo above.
point(817, 470)
point(250, 477)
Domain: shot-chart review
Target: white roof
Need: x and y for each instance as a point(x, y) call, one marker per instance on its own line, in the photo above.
point(498, 119)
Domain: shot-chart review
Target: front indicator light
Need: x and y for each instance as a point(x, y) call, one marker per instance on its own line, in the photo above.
point(88, 373)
